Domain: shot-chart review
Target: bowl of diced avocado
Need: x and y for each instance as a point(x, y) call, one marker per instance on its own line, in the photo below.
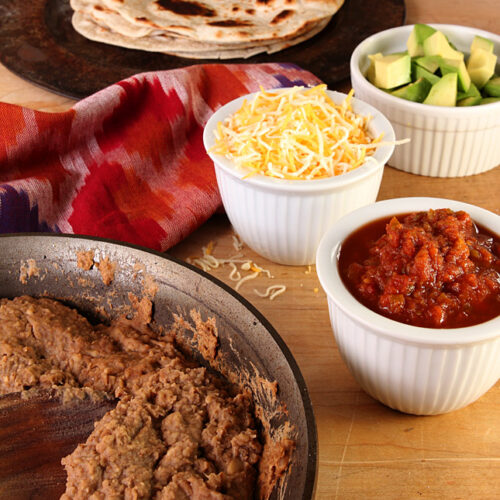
point(434, 72)
point(439, 85)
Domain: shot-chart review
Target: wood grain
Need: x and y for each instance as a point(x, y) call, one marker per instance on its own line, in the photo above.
point(35, 434)
point(365, 449)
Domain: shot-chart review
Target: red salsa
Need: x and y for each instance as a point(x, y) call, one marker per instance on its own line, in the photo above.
point(433, 269)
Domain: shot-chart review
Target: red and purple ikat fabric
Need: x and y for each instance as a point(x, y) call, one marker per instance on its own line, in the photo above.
point(128, 162)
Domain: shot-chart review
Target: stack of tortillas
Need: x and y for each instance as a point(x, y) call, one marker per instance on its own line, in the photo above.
point(205, 29)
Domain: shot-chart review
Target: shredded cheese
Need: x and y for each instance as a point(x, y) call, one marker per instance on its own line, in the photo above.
point(235, 274)
point(271, 291)
point(237, 243)
point(296, 133)
point(208, 262)
point(246, 266)
point(246, 278)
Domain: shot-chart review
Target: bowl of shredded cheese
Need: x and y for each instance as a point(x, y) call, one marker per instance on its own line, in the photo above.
point(290, 162)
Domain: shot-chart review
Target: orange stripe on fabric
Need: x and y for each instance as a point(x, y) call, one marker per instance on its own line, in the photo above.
point(12, 122)
point(221, 85)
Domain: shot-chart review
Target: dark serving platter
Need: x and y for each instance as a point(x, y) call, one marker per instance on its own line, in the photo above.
point(46, 265)
point(38, 43)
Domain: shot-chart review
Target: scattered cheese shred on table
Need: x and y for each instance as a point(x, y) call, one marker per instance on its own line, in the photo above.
point(296, 133)
point(246, 278)
point(235, 274)
point(272, 291)
point(208, 262)
point(237, 243)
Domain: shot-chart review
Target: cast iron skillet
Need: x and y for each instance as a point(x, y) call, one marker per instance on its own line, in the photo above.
point(46, 264)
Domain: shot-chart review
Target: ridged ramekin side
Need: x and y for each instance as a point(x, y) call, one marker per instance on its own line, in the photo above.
point(441, 146)
point(416, 379)
point(286, 227)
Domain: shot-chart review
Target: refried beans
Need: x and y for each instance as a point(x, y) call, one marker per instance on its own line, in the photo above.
point(178, 431)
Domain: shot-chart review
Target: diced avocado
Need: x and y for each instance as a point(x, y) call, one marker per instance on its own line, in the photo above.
point(492, 87)
point(472, 92)
point(370, 73)
point(432, 60)
point(469, 101)
point(443, 92)
point(488, 100)
point(416, 91)
point(450, 43)
point(423, 31)
point(455, 66)
point(392, 70)
point(430, 63)
point(481, 66)
point(437, 45)
point(416, 39)
point(480, 42)
point(419, 72)
point(414, 48)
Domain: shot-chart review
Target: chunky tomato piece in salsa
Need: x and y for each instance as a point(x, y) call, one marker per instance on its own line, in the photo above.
point(432, 269)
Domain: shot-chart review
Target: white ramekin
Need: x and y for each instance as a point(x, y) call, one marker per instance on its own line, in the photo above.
point(416, 370)
point(445, 141)
point(284, 220)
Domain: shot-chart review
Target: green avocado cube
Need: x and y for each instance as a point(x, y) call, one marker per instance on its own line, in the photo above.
point(488, 100)
point(423, 31)
point(370, 73)
point(479, 42)
point(416, 91)
point(437, 45)
point(481, 66)
point(450, 43)
point(492, 87)
point(456, 66)
point(416, 39)
point(469, 101)
point(473, 91)
point(419, 72)
point(430, 63)
point(392, 70)
point(443, 92)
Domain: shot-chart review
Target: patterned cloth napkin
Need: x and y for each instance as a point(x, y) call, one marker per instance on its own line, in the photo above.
point(128, 162)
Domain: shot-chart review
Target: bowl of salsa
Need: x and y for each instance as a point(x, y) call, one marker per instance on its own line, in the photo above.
point(413, 287)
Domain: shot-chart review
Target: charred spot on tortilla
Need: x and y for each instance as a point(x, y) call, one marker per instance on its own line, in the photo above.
point(185, 8)
point(181, 28)
point(230, 23)
point(145, 20)
point(282, 16)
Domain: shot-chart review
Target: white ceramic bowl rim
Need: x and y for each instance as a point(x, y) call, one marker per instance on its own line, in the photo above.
point(378, 124)
point(448, 29)
point(327, 270)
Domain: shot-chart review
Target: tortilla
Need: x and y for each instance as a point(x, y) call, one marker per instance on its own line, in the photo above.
point(181, 47)
point(218, 29)
point(216, 20)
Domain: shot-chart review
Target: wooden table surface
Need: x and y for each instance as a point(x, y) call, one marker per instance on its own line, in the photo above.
point(366, 450)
